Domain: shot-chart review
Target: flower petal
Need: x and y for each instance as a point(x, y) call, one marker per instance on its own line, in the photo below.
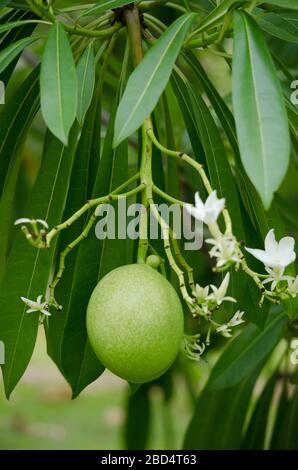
point(22, 220)
point(194, 211)
point(286, 251)
point(198, 202)
point(261, 255)
point(271, 244)
point(46, 312)
point(42, 222)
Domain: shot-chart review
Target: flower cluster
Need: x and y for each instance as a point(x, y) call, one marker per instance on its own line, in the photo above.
point(226, 329)
point(226, 250)
point(208, 302)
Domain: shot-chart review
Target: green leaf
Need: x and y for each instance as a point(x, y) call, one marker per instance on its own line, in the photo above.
point(104, 6)
point(12, 36)
point(260, 114)
point(58, 84)
point(205, 137)
point(283, 26)
point(256, 431)
point(88, 367)
point(219, 417)
point(246, 351)
point(286, 426)
point(86, 82)
point(15, 120)
point(137, 420)
point(149, 79)
point(12, 51)
point(28, 269)
point(292, 4)
point(17, 24)
point(92, 260)
point(217, 14)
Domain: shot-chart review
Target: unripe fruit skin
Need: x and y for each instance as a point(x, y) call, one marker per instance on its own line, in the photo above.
point(135, 323)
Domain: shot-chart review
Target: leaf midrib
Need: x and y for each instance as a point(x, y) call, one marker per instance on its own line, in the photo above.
point(33, 272)
point(258, 111)
point(151, 79)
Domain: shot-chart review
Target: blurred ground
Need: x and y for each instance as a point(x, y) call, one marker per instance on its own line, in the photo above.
point(41, 414)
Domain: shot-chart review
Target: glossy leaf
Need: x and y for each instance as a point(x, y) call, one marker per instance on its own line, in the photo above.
point(80, 190)
point(11, 52)
point(15, 120)
point(292, 4)
point(260, 114)
point(137, 420)
point(205, 137)
point(149, 79)
point(256, 431)
point(217, 14)
point(86, 81)
point(104, 6)
point(246, 351)
point(28, 269)
point(218, 420)
point(283, 26)
point(11, 37)
point(58, 84)
point(286, 426)
point(92, 259)
point(16, 24)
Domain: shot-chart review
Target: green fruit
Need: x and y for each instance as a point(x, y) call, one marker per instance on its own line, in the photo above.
point(153, 261)
point(135, 323)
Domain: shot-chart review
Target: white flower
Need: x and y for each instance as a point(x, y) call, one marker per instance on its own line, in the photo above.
point(224, 330)
point(36, 306)
point(277, 255)
point(292, 285)
point(209, 211)
point(201, 293)
point(25, 220)
point(224, 249)
point(275, 276)
point(236, 319)
point(219, 293)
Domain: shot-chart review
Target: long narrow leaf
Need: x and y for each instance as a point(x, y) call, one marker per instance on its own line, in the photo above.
point(14, 123)
point(261, 118)
point(149, 79)
point(86, 81)
point(58, 84)
point(12, 51)
point(246, 351)
point(28, 269)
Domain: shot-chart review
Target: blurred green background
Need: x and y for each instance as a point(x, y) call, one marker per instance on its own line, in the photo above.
point(41, 414)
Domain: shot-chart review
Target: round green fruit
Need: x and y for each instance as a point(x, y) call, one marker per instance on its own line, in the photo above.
point(135, 323)
point(153, 261)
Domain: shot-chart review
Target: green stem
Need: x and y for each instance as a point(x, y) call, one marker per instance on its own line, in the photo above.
point(79, 30)
point(214, 227)
point(167, 197)
point(132, 18)
point(94, 202)
point(197, 166)
point(83, 235)
point(167, 247)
